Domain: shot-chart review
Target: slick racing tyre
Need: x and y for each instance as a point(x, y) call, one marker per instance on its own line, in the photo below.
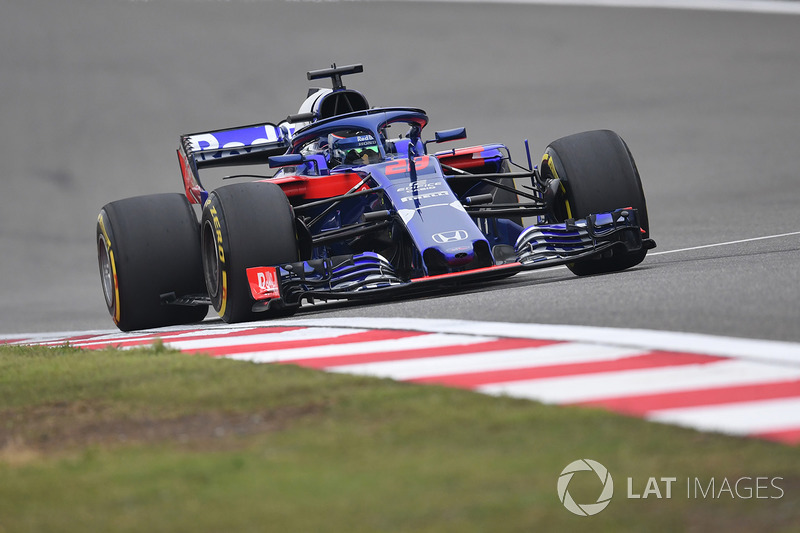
point(245, 225)
point(149, 246)
point(597, 175)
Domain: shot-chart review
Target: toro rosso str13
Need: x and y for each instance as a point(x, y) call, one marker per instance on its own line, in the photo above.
point(359, 207)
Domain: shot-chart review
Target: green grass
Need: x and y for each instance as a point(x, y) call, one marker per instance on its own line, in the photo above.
point(154, 440)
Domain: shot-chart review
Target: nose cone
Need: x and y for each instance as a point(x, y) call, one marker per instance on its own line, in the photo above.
point(452, 249)
point(449, 258)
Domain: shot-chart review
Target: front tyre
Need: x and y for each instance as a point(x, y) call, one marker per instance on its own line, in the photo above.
point(149, 246)
point(597, 175)
point(245, 225)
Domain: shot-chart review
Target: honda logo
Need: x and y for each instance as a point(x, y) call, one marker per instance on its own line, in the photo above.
point(450, 236)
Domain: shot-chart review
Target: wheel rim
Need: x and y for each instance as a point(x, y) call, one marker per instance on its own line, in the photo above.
point(106, 271)
point(210, 260)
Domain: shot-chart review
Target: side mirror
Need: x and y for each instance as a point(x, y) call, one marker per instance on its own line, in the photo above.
point(451, 135)
point(286, 160)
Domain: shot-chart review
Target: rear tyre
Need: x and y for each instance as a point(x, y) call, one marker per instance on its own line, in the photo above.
point(149, 246)
point(245, 225)
point(597, 174)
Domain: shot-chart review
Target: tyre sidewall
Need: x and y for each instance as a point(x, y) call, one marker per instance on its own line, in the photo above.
point(153, 244)
point(597, 174)
point(604, 154)
point(107, 263)
point(216, 249)
point(244, 225)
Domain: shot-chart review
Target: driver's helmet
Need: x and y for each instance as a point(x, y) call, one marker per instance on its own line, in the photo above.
point(358, 148)
point(315, 147)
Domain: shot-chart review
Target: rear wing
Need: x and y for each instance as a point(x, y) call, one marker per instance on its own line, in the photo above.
point(243, 145)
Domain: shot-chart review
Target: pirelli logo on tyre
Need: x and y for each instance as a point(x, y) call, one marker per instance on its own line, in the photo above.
point(214, 259)
point(218, 231)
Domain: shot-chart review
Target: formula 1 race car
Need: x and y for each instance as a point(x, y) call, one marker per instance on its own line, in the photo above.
point(359, 208)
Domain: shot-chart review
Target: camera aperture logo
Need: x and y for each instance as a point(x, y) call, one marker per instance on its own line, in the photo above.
point(585, 509)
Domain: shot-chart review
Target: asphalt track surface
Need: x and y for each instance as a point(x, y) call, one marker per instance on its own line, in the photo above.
point(94, 94)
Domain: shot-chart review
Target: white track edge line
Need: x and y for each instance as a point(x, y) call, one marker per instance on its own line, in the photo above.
point(728, 243)
point(735, 6)
point(767, 351)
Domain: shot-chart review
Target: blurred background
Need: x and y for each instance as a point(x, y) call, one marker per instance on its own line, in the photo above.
point(95, 93)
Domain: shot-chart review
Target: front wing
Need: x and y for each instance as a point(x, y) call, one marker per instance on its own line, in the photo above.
point(370, 276)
